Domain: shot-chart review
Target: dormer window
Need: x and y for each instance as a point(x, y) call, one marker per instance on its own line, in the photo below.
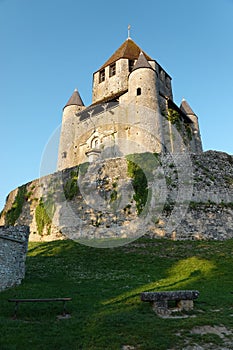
point(112, 69)
point(102, 75)
point(131, 64)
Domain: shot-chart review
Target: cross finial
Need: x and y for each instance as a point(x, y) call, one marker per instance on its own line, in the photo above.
point(129, 27)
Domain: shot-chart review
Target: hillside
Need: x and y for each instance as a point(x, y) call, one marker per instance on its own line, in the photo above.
point(105, 285)
point(123, 197)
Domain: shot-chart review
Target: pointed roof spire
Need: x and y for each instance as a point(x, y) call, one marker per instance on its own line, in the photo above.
point(75, 99)
point(141, 62)
point(129, 49)
point(185, 107)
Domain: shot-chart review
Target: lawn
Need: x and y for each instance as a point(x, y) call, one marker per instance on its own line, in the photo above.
point(105, 286)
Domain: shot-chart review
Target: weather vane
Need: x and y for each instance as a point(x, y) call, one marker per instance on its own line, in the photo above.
point(129, 27)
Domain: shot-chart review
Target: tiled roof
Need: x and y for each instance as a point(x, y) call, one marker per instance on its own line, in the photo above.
point(75, 99)
point(128, 50)
point(141, 62)
point(186, 108)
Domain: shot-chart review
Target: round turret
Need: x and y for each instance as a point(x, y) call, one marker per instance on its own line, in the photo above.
point(74, 105)
point(143, 93)
point(67, 137)
point(143, 84)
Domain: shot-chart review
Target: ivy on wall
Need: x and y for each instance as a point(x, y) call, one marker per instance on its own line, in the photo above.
point(13, 214)
point(71, 185)
point(139, 178)
point(183, 127)
point(44, 215)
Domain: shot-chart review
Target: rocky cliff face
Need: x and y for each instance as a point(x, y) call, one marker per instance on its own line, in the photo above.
point(169, 196)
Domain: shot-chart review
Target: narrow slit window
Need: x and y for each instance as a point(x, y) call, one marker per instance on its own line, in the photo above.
point(102, 75)
point(139, 91)
point(131, 64)
point(112, 69)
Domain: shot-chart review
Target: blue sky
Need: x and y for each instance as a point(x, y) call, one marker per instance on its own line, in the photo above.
point(50, 47)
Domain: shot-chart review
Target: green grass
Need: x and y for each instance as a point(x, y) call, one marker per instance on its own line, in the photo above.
point(105, 286)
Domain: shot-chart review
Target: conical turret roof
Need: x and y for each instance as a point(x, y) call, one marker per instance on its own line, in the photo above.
point(185, 107)
point(141, 62)
point(129, 49)
point(75, 99)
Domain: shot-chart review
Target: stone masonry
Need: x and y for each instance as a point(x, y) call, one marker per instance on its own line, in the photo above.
point(13, 249)
point(101, 197)
point(132, 108)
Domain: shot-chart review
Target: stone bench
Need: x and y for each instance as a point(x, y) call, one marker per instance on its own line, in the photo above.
point(17, 301)
point(159, 300)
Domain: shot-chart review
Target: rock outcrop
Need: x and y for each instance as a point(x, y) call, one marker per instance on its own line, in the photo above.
point(162, 196)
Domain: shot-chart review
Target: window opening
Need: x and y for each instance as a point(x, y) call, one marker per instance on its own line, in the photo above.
point(95, 143)
point(102, 75)
point(131, 64)
point(139, 91)
point(112, 69)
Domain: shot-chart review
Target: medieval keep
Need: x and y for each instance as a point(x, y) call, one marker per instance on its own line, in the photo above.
point(132, 111)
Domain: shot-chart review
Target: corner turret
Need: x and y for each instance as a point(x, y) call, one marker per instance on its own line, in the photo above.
point(74, 105)
point(69, 120)
point(143, 92)
point(196, 144)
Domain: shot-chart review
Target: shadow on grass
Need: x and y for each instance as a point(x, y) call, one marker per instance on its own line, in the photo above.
point(183, 273)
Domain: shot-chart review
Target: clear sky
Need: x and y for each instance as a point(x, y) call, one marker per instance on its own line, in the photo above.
point(50, 47)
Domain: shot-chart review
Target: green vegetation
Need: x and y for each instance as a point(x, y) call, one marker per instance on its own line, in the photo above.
point(206, 205)
point(71, 185)
point(83, 168)
point(229, 180)
point(44, 214)
point(139, 185)
point(140, 169)
point(174, 117)
point(105, 286)
point(13, 214)
point(113, 196)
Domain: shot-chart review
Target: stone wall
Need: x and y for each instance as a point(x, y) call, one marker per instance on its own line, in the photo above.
point(13, 249)
point(93, 200)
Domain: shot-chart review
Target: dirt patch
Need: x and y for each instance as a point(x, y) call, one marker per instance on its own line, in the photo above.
point(221, 331)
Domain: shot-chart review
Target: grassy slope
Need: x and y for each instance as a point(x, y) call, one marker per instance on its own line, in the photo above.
point(105, 285)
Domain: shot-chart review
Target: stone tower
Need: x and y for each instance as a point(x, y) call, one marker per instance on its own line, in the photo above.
point(67, 137)
point(132, 104)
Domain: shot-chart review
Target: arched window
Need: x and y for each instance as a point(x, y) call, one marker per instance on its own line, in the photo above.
point(139, 91)
point(95, 143)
